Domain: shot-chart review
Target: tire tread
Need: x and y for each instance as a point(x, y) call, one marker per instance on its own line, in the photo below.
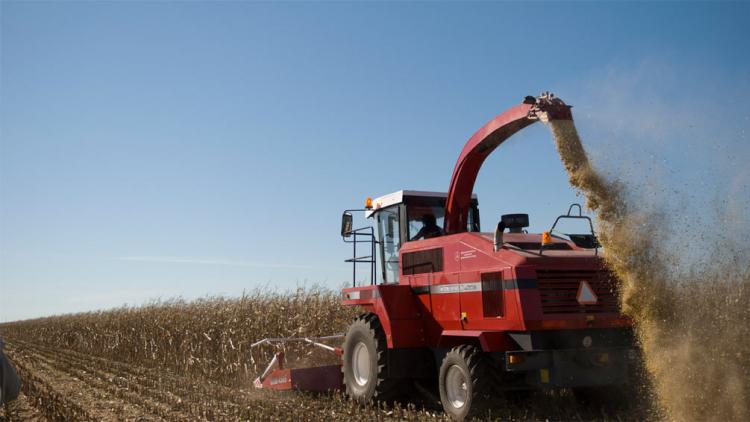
point(385, 388)
point(484, 381)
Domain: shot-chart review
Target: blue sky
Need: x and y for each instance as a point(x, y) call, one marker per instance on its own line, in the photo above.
point(160, 149)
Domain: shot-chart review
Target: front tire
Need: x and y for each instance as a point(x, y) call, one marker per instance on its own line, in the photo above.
point(465, 383)
point(365, 359)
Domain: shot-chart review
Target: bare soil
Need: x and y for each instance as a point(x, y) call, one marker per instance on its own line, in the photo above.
point(65, 385)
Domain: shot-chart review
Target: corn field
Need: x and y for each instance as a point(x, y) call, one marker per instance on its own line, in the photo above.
point(178, 360)
point(208, 338)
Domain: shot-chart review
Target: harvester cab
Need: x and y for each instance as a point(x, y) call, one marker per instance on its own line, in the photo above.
point(397, 218)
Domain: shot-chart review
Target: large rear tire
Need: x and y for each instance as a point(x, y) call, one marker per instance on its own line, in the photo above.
point(365, 359)
point(465, 383)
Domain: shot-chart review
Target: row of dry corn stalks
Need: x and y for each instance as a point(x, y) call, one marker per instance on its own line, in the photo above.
point(208, 338)
point(159, 355)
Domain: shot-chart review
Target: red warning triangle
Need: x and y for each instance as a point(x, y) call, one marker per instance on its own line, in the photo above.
point(586, 295)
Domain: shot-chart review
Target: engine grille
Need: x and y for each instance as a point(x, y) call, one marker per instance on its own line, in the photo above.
point(558, 290)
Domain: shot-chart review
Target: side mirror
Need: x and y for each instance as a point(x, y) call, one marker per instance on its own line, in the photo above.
point(515, 222)
point(347, 222)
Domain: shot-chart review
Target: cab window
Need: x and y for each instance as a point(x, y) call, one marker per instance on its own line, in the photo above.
point(420, 216)
point(389, 238)
point(425, 222)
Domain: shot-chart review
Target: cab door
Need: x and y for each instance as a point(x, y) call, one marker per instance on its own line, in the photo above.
point(420, 285)
point(389, 241)
point(481, 292)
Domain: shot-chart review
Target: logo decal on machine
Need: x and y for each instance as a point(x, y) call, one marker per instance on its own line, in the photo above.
point(456, 288)
point(279, 380)
point(586, 295)
point(461, 255)
point(445, 288)
point(476, 286)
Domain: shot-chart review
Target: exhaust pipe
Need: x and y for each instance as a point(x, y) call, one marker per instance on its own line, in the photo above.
point(499, 235)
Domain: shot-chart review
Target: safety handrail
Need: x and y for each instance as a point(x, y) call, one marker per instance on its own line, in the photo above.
point(570, 215)
point(362, 235)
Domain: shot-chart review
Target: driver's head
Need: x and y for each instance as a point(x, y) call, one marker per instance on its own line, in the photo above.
point(429, 220)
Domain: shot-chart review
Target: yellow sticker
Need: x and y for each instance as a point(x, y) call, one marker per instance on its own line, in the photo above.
point(544, 375)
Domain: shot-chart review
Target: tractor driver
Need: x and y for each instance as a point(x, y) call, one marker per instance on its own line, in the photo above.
point(429, 229)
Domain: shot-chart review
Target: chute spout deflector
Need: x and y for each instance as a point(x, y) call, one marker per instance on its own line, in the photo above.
point(545, 107)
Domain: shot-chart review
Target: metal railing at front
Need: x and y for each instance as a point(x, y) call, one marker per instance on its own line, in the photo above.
point(357, 236)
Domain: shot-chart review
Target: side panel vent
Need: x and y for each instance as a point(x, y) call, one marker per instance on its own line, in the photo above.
point(420, 262)
point(492, 294)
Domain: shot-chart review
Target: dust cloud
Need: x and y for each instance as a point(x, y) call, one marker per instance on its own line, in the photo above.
point(692, 320)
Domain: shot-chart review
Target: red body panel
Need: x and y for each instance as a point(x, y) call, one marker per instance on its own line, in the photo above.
point(432, 310)
point(480, 294)
point(400, 312)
